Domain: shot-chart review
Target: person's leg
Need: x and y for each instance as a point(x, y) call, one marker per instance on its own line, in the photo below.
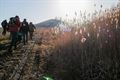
point(20, 37)
point(12, 42)
point(24, 38)
point(15, 40)
point(30, 35)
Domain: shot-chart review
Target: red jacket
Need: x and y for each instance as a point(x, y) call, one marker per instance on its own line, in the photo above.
point(13, 28)
point(18, 23)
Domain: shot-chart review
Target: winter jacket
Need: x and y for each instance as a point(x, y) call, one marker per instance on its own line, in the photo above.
point(31, 27)
point(18, 23)
point(24, 27)
point(13, 27)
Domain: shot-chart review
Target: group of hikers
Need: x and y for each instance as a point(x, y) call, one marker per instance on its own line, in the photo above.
point(19, 31)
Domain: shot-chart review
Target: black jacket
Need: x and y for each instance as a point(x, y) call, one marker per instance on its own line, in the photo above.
point(24, 27)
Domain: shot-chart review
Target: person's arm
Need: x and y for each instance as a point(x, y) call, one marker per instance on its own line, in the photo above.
point(27, 25)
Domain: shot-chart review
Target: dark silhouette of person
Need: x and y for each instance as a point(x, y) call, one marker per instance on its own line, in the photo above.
point(31, 29)
point(4, 25)
point(24, 30)
point(13, 28)
point(18, 23)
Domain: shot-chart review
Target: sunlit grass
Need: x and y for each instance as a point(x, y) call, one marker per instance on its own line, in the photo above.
point(88, 51)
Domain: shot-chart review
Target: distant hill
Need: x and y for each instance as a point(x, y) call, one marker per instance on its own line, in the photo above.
point(49, 23)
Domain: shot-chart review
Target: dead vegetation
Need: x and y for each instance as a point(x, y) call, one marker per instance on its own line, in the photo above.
point(89, 52)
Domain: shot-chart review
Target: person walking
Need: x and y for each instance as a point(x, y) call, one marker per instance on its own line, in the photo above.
point(31, 29)
point(4, 26)
point(13, 28)
point(24, 30)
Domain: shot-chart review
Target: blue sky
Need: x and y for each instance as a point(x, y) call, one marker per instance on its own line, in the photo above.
point(40, 10)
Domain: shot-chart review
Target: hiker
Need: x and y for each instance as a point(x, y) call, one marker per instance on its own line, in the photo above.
point(31, 30)
point(18, 24)
point(19, 34)
point(24, 30)
point(13, 28)
point(17, 21)
point(4, 26)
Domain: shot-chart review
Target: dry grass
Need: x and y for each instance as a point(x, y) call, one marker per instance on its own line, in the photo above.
point(91, 52)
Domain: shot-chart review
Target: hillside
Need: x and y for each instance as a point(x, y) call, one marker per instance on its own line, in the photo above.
point(49, 23)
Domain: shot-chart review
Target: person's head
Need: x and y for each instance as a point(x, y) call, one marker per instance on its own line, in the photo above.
point(5, 20)
point(24, 20)
point(17, 17)
point(31, 23)
point(12, 19)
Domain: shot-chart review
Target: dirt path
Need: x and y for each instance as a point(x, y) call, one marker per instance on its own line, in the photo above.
point(11, 65)
point(33, 69)
point(22, 64)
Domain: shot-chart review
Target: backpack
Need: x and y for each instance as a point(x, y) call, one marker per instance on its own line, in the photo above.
point(4, 26)
point(31, 28)
point(4, 23)
point(24, 27)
